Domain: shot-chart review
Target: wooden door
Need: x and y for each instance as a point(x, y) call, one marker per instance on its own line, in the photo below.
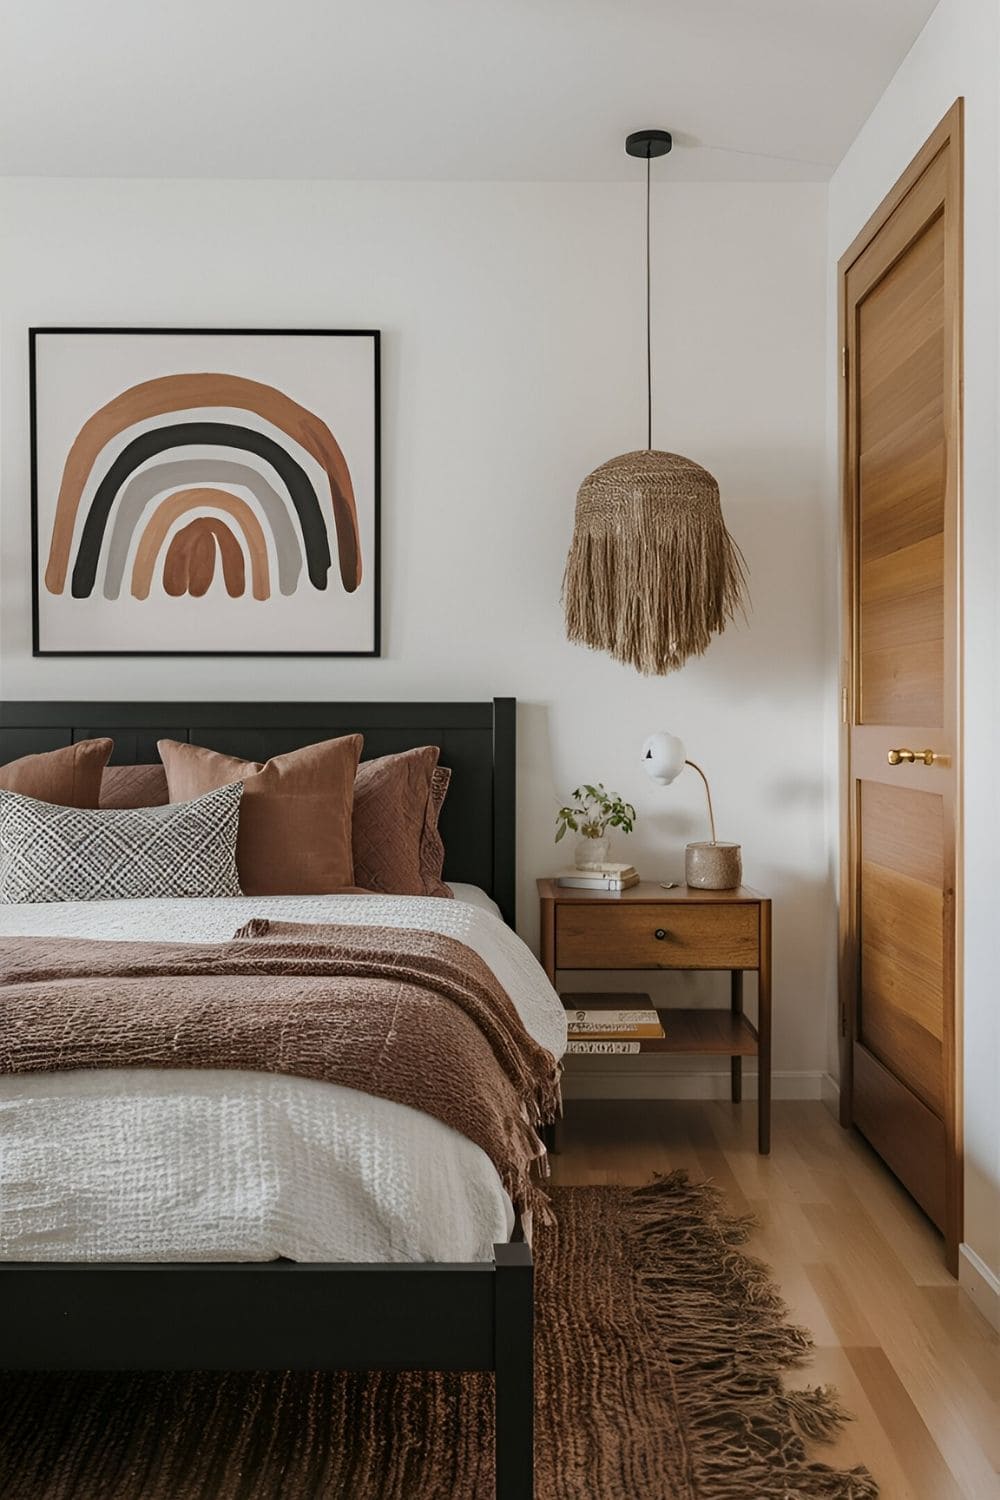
point(900, 286)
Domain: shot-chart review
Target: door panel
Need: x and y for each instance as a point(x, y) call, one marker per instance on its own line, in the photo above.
point(900, 303)
point(901, 478)
point(901, 997)
point(911, 1138)
point(902, 599)
point(900, 409)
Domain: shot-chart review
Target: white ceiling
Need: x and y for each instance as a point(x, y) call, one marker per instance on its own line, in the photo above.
point(493, 89)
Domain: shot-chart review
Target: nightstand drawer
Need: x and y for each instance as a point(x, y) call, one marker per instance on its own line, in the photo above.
point(657, 936)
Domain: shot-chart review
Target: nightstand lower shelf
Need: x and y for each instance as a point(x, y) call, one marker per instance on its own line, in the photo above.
point(704, 1030)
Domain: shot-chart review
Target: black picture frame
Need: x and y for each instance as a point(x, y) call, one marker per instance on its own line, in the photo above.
point(40, 331)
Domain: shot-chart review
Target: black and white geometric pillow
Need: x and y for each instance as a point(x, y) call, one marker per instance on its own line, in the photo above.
point(50, 853)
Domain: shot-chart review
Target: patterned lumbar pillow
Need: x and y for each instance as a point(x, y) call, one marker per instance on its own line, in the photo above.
point(50, 853)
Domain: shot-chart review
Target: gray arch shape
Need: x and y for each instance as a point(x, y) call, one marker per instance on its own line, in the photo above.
point(149, 482)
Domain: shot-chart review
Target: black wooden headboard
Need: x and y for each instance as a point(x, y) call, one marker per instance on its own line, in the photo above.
point(477, 740)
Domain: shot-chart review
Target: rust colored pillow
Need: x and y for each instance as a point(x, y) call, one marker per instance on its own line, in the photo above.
point(295, 820)
point(68, 777)
point(397, 846)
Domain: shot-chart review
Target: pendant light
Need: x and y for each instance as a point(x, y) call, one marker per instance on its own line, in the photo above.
point(652, 572)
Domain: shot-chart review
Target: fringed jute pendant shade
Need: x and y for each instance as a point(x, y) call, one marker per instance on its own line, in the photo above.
point(652, 572)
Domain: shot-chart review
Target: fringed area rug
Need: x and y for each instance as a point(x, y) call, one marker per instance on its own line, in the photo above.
point(660, 1354)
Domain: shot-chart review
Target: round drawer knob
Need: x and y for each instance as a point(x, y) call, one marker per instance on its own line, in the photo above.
point(660, 934)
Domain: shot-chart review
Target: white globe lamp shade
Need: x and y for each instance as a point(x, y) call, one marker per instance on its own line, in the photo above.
point(663, 758)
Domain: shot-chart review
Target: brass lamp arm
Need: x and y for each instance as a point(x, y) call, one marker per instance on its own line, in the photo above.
point(708, 793)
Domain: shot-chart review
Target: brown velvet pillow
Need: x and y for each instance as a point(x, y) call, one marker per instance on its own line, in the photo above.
point(397, 846)
point(68, 777)
point(295, 820)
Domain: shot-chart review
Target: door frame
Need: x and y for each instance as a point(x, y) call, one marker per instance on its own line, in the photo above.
point(949, 132)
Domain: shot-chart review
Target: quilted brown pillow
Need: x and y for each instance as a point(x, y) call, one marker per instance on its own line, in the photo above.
point(134, 786)
point(68, 777)
point(397, 846)
point(295, 821)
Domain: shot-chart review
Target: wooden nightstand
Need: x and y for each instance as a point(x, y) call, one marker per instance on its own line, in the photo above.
point(648, 927)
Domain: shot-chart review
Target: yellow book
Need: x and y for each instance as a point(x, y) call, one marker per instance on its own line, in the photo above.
point(625, 1024)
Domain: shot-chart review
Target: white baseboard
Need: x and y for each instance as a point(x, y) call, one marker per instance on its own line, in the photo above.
point(981, 1285)
point(829, 1092)
point(630, 1082)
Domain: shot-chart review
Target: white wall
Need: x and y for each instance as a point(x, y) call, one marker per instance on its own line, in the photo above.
point(957, 54)
point(513, 364)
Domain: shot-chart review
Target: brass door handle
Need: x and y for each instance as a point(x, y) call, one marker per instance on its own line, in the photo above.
point(908, 757)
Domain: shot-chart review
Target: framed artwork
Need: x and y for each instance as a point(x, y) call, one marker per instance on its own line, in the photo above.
point(210, 492)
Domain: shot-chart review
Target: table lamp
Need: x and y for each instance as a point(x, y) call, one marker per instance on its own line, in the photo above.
point(708, 867)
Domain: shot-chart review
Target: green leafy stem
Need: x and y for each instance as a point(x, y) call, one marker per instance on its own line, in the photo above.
point(594, 810)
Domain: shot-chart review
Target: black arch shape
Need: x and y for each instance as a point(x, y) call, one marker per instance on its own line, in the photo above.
point(186, 434)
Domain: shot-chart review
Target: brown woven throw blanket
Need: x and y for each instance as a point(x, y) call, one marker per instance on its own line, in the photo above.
point(410, 1016)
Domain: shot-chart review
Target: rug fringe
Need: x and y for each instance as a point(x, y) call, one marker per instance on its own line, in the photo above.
point(725, 1344)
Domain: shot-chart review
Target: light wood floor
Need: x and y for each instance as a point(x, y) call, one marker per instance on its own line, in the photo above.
point(858, 1265)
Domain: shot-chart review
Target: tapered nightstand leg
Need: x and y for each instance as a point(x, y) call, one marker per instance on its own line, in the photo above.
point(764, 1030)
point(736, 1063)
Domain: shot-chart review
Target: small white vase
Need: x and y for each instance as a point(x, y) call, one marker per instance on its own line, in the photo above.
point(591, 851)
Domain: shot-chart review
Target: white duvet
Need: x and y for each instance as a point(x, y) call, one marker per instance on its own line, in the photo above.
point(144, 1164)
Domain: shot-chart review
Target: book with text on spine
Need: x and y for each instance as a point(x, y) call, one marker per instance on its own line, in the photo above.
point(597, 1047)
point(622, 1023)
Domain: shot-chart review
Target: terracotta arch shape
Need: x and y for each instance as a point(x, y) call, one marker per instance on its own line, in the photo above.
point(189, 566)
point(178, 504)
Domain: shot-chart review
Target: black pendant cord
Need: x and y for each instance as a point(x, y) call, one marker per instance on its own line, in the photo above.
point(647, 144)
point(649, 338)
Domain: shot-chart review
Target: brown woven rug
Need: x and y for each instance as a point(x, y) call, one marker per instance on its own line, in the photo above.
point(661, 1348)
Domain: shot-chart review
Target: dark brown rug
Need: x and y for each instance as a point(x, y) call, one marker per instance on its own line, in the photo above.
point(661, 1348)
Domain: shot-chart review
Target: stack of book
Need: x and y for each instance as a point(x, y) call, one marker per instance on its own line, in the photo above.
point(599, 1024)
point(599, 877)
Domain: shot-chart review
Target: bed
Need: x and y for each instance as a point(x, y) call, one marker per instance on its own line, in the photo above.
point(347, 1276)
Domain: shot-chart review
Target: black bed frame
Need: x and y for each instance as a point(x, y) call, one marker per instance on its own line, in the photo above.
point(282, 1315)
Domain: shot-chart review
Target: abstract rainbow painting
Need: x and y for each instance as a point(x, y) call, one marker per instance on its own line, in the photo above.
point(210, 492)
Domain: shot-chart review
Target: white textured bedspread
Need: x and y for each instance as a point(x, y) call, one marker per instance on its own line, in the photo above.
point(149, 1164)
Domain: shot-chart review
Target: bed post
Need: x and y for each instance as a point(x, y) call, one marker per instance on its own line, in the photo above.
point(515, 1371)
point(504, 809)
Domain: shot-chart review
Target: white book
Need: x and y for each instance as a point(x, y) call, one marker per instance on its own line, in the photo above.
point(591, 1048)
point(595, 882)
point(607, 867)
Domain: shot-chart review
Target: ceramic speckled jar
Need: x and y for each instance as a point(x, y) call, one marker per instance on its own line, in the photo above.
point(713, 867)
